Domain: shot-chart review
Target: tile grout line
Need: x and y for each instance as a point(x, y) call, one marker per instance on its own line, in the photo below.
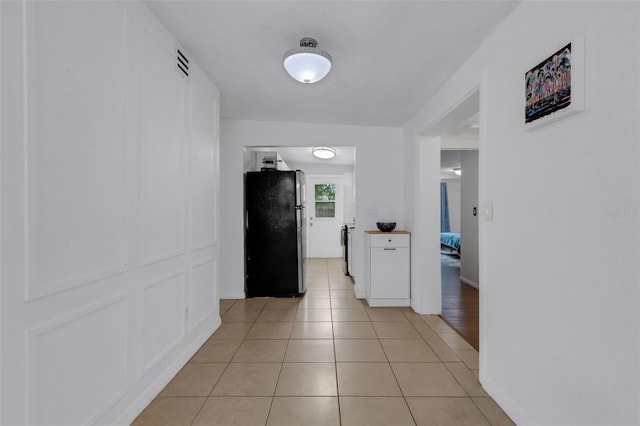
point(455, 378)
point(335, 364)
point(199, 410)
point(266, 420)
point(481, 412)
point(331, 293)
point(335, 354)
point(404, 397)
point(223, 371)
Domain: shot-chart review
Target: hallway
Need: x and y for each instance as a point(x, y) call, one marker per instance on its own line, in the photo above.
point(326, 359)
point(460, 305)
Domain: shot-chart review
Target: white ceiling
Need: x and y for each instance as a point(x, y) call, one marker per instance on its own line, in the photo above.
point(345, 155)
point(468, 128)
point(448, 161)
point(389, 56)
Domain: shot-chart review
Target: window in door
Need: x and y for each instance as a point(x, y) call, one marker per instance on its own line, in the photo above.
point(325, 200)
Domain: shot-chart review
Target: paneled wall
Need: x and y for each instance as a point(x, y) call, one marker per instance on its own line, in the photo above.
point(109, 174)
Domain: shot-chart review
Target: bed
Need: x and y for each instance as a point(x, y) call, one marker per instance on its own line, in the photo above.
point(450, 241)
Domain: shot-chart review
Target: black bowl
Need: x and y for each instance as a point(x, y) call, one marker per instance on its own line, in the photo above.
point(386, 226)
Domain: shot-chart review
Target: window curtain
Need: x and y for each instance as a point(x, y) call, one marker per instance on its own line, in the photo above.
point(445, 226)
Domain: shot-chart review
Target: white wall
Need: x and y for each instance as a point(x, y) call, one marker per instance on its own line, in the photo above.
point(347, 172)
point(349, 197)
point(422, 192)
point(460, 142)
point(560, 309)
point(322, 169)
point(380, 176)
point(469, 259)
point(109, 205)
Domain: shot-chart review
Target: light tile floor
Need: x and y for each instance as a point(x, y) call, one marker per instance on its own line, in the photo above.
point(326, 359)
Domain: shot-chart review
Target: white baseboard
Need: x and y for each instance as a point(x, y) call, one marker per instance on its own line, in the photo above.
point(232, 295)
point(508, 405)
point(148, 394)
point(388, 302)
point(469, 282)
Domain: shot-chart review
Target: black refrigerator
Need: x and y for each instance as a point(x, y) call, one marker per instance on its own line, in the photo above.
point(275, 239)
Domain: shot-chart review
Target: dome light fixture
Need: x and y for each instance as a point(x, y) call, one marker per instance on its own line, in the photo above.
point(324, 152)
point(307, 63)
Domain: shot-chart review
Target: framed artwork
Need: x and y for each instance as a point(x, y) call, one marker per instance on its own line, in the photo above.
point(554, 88)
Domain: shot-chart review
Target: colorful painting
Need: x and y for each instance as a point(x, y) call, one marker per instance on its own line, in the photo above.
point(548, 85)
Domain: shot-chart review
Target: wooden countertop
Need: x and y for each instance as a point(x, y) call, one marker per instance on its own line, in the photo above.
point(391, 232)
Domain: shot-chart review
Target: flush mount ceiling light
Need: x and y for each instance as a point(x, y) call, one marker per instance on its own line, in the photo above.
point(324, 152)
point(307, 63)
point(458, 171)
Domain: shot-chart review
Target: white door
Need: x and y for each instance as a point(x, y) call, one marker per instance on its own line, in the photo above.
point(324, 216)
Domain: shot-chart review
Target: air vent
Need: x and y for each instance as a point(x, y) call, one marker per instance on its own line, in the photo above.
point(183, 63)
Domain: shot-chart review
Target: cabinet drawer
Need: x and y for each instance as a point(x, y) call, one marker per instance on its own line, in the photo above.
point(390, 240)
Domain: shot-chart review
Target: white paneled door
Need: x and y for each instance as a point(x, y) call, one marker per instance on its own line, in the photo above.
point(324, 215)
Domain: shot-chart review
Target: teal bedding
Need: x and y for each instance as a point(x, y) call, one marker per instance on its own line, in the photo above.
point(450, 240)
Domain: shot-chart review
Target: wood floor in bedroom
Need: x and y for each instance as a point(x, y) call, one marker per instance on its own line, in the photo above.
point(460, 306)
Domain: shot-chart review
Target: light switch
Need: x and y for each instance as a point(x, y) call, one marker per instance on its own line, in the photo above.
point(487, 210)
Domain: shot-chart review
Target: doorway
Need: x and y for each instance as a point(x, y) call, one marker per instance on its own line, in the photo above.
point(459, 241)
point(459, 130)
point(325, 215)
point(340, 168)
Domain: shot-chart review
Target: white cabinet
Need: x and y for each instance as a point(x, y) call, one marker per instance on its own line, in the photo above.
point(387, 268)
